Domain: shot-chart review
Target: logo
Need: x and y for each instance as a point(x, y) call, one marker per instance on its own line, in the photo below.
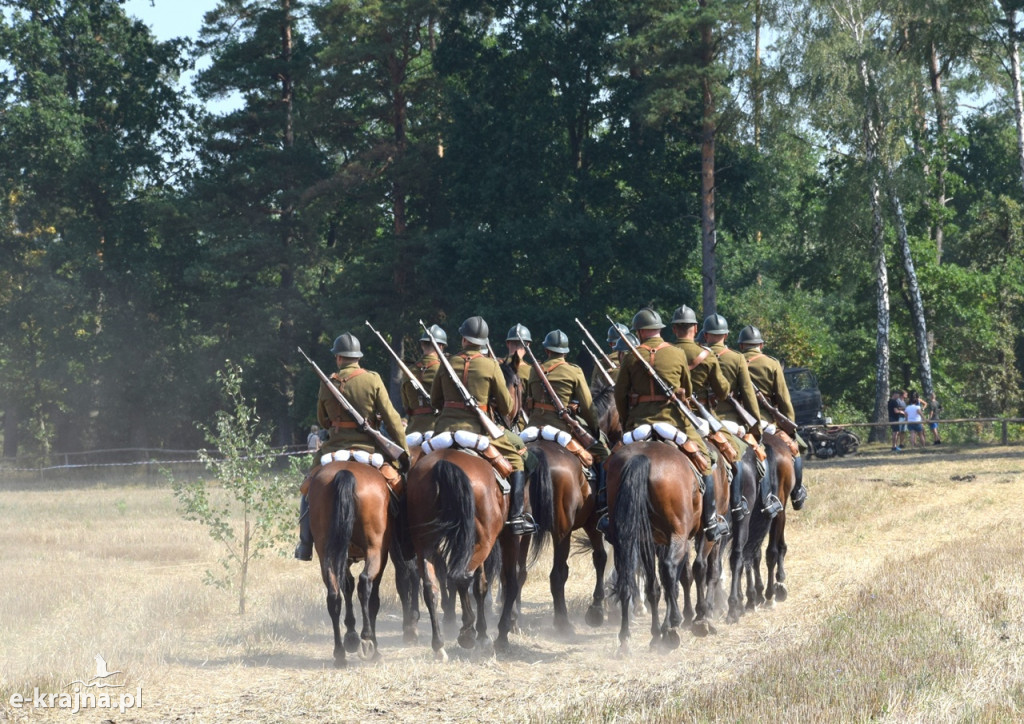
point(85, 694)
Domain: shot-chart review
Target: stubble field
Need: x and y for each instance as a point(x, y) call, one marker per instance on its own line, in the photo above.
point(906, 603)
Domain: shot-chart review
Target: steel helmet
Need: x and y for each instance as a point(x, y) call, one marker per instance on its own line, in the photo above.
point(346, 345)
point(647, 318)
point(557, 341)
point(715, 324)
point(613, 336)
point(518, 331)
point(684, 315)
point(475, 330)
point(439, 335)
point(750, 335)
point(621, 346)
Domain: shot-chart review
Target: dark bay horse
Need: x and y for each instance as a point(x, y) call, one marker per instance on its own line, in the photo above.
point(562, 501)
point(608, 414)
point(740, 534)
point(654, 509)
point(456, 513)
point(349, 514)
point(782, 473)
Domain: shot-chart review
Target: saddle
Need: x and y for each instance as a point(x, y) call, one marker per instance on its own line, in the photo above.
point(467, 441)
point(669, 433)
point(375, 460)
point(563, 438)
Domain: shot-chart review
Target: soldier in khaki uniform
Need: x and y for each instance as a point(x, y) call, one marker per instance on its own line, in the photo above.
point(734, 368)
point(707, 379)
point(639, 401)
point(482, 377)
point(571, 387)
point(766, 375)
point(516, 358)
point(418, 410)
point(366, 392)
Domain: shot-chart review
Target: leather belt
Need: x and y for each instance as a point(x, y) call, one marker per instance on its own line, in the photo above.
point(344, 424)
point(463, 406)
point(422, 411)
point(544, 406)
point(652, 398)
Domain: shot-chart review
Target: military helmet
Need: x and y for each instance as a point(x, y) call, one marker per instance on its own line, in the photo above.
point(346, 345)
point(518, 331)
point(438, 333)
point(613, 335)
point(621, 346)
point(750, 335)
point(475, 330)
point(684, 315)
point(715, 324)
point(557, 341)
point(647, 318)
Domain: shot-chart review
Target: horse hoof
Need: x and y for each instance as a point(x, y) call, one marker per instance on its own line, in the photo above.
point(441, 656)
point(486, 647)
point(595, 615)
point(670, 639)
point(352, 642)
point(367, 650)
point(701, 628)
point(565, 629)
point(734, 615)
point(780, 592)
point(411, 637)
point(340, 663)
point(467, 638)
point(655, 644)
point(623, 651)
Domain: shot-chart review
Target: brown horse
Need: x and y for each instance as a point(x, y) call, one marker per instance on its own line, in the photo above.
point(350, 519)
point(709, 554)
point(456, 513)
point(562, 501)
point(740, 534)
point(654, 508)
point(782, 471)
point(608, 414)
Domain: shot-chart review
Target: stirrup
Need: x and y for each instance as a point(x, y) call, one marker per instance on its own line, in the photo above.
point(798, 496)
point(742, 510)
point(304, 552)
point(523, 524)
point(772, 506)
point(717, 529)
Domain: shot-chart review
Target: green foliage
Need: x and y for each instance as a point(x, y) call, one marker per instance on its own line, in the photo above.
point(250, 509)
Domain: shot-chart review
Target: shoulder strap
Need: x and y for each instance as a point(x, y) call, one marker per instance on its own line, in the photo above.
point(653, 351)
point(699, 358)
point(465, 367)
point(756, 356)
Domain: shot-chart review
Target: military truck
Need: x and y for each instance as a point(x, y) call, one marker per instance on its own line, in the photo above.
point(806, 397)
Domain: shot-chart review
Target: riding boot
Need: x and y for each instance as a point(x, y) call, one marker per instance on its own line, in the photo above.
point(715, 526)
point(740, 509)
point(771, 505)
point(304, 550)
point(601, 501)
point(799, 493)
point(522, 523)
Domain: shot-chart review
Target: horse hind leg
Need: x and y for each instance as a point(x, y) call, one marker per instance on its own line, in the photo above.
point(559, 575)
point(599, 557)
point(351, 637)
point(431, 595)
point(369, 602)
point(334, 609)
point(669, 566)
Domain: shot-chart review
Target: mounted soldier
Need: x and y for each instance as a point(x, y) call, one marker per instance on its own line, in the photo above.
point(420, 414)
point(365, 392)
point(768, 379)
point(516, 357)
point(709, 383)
point(570, 386)
point(482, 378)
point(641, 401)
point(733, 366)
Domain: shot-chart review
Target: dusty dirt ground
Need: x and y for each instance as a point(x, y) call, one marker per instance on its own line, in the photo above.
point(275, 663)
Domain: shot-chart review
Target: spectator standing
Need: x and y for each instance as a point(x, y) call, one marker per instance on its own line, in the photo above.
point(895, 414)
point(915, 420)
point(313, 440)
point(934, 408)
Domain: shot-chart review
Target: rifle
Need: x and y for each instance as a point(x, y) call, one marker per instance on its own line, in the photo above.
point(598, 365)
point(585, 438)
point(417, 385)
point(611, 365)
point(392, 450)
point(697, 423)
point(521, 412)
point(784, 423)
point(493, 431)
point(749, 420)
point(715, 435)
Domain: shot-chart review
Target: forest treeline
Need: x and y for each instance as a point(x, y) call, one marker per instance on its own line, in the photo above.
point(848, 176)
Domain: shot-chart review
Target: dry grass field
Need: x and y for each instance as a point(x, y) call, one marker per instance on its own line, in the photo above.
point(906, 603)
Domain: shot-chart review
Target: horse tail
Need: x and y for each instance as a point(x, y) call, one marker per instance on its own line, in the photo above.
point(542, 501)
point(631, 527)
point(759, 522)
point(343, 518)
point(456, 518)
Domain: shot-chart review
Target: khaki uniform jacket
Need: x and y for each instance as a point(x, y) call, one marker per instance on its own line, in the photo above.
point(734, 369)
point(482, 377)
point(634, 386)
point(597, 381)
point(569, 383)
point(705, 372)
point(766, 374)
point(366, 392)
point(420, 413)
